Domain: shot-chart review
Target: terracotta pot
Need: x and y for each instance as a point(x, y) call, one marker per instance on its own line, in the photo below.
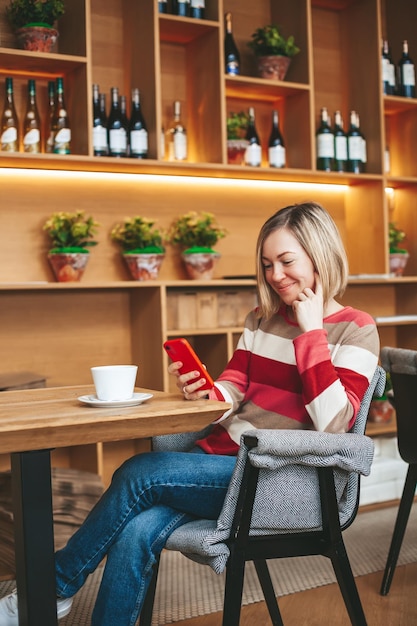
point(273, 67)
point(68, 266)
point(236, 149)
point(381, 411)
point(144, 266)
point(36, 38)
point(200, 265)
point(397, 262)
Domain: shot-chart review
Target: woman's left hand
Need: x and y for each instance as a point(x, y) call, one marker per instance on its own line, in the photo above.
point(308, 308)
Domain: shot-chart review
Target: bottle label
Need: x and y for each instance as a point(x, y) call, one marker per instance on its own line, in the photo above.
point(197, 4)
point(408, 75)
point(118, 140)
point(391, 75)
point(253, 154)
point(99, 138)
point(325, 146)
point(232, 67)
point(9, 135)
point(180, 146)
point(355, 148)
point(276, 156)
point(386, 71)
point(340, 148)
point(139, 141)
point(31, 140)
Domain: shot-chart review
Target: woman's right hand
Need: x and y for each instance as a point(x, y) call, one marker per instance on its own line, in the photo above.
point(184, 384)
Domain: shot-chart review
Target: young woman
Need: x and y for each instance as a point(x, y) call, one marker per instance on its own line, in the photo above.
point(303, 361)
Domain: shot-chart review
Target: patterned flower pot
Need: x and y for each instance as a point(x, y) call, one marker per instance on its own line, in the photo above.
point(274, 67)
point(36, 38)
point(68, 266)
point(144, 266)
point(200, 265)
point(397, 262)
point(236, 149)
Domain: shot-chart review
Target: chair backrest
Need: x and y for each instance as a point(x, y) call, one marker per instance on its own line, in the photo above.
point(402, 366)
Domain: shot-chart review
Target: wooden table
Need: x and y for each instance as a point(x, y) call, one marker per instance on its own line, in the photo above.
point(34, 421)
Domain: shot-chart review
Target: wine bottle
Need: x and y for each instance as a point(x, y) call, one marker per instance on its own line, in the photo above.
point(9, 128)
point(355, 145)
point(116, 130)
point(253, 154)
point(276, 147)
point(61, 124)
point(406, 74)
point(388, 70)
point(177, 136)
point(162, 6)
point(324, 143)
point(32, 122)
point(340, 144)
point(231, 53)
point(49, 133)
point(138, 134)
point(181, 7)
point(364, 157)
point(197, 8)
point(99, 123)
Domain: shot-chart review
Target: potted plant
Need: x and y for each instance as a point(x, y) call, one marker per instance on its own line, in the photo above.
point(196, 234)
point(398, 256)
point(142, 246)
point(71, 235)
point(381, 409)
point(237, 143)
point(273, 51)
point(33, 22)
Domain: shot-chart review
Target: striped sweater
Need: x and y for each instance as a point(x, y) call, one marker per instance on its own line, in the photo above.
point(280, 377)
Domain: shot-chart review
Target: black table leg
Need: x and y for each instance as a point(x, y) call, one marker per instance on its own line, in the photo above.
point(34, 539)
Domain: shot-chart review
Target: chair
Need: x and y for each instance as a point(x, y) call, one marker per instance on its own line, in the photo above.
point(402, 365)
point(322, 470)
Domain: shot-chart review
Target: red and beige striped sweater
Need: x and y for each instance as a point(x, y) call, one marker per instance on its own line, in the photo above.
point(280, 377)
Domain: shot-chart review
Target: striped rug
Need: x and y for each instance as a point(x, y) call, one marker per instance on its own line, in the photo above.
point(187, 590)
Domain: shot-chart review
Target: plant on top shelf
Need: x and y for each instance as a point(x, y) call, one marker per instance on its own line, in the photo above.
point(396, 236)
point(237, 124)
point(267, 41)
point(142, 245)
point(138, 235)
point(34, 12)
point(71, 232)
point(195, 232)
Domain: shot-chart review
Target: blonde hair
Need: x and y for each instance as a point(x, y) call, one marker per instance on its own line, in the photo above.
point(317, 233)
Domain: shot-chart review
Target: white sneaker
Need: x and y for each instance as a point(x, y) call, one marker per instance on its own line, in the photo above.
point(9, 614)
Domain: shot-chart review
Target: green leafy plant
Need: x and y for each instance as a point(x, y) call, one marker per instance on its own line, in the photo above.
point(396, 236)
point(237, 124)
point(268, 40)
point(34, 12)
point(71, 232)
point(138, 235)
point(195, 232)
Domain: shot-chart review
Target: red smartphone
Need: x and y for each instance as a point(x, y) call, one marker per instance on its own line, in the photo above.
point(181, 350)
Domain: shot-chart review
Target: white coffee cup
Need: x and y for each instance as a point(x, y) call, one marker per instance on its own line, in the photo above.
point(114, 382)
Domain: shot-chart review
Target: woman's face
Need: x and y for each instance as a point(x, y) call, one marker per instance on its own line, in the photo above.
point(288, 268)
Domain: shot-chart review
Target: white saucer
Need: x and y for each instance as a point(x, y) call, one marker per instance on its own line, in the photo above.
point(137, 398)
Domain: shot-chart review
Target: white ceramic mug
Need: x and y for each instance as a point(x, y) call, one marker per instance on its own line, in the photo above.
point(114, 382)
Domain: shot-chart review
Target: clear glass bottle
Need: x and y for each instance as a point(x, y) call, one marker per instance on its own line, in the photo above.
point(324, 143)
point(340, 144)
point(177, 136)
point(99, 123)
point(32, 122)
point(253, 154)
point(231, 53)
point(276, 146)
point(9, 125)
point(406, 74)
point(49, 133)
point(61, 124)
point(138, 134)
point(116, 128)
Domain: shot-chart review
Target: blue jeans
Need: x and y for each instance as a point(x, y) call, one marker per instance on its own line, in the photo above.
point(150, 496)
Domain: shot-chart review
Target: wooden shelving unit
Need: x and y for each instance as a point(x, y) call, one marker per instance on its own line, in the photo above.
point(61, 330)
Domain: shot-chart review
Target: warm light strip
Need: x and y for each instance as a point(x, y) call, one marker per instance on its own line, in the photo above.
point(170, 179)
